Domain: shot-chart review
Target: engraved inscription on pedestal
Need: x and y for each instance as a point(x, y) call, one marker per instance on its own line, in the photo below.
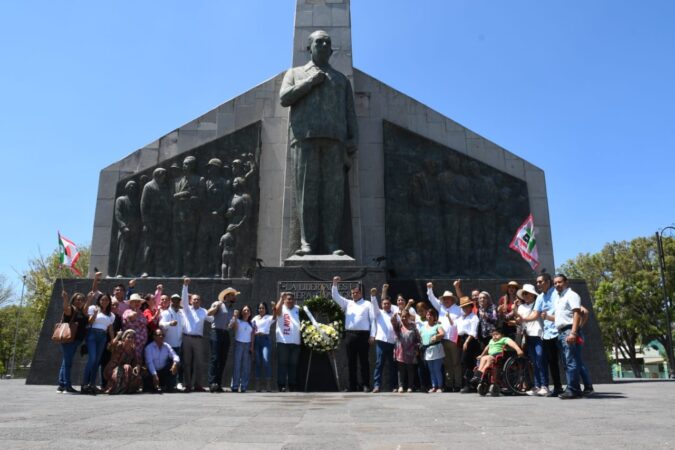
point(303, 290)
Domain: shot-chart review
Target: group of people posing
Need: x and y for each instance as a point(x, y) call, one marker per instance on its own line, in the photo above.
point(156, 343)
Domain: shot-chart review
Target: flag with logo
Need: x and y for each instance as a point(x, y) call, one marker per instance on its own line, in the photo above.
point(524, 242)
point(68, 253)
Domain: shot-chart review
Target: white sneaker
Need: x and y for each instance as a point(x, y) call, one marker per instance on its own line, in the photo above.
point(543, 391)
point(180, 387)
point(400, 390)
point(531, 392)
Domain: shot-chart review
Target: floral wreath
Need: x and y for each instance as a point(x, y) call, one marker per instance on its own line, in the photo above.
point(328, 338)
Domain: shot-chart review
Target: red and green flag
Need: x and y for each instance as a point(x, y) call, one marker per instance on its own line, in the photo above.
point(68, 253)
point(525, 243)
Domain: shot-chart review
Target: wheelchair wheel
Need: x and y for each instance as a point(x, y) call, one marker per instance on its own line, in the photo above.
point(483, 389)
point(517, 375)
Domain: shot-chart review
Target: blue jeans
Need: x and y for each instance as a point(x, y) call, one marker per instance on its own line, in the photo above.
point(535, 350)
point(435, 372)
point(263, 366)
point(96, 341)
point(219, 341)
point(242, 365)
point(384, 356)
point(67, 363)
point(573, 363)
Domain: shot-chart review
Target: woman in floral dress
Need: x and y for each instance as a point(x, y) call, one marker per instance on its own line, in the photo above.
point(123, 372)
point(133, 319)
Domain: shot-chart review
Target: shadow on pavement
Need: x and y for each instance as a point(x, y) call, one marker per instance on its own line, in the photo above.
point(606, 395)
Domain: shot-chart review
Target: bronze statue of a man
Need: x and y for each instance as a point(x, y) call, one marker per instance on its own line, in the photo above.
point(156, 204)
point(323, 136)
point(128, 220)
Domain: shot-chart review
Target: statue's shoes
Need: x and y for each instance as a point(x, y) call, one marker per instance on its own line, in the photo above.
point(304, 250)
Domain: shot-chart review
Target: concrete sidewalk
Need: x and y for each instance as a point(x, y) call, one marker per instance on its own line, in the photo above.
point(634, 415)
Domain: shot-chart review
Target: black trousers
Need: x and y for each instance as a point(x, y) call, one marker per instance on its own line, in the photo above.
point(469, 359)
point(553, 360)
point(219, 341)
point(406, 375)
point(167, 380)
point(357, 350)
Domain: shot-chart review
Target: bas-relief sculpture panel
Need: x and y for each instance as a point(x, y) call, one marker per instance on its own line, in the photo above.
point(446, 213)
point(195, 214)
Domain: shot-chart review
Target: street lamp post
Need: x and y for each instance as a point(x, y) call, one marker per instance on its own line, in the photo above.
point(16, 329)
point(666, 299)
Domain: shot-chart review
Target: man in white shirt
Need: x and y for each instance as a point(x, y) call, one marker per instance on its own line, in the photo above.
point(448, 313)
point(172, 322)
point(382, 333)
point(358, 320)
point(161, 374)
point(287, 314)
point(193, 338)
point(568, 320)
point(467, 329)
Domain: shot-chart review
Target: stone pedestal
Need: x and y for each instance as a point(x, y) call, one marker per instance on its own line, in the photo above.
point(327, 261)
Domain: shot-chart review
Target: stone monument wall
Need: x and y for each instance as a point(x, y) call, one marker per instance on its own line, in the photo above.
point(376, 103)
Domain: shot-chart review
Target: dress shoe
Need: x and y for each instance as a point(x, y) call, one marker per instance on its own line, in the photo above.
point(569, 395)
point(588, 391)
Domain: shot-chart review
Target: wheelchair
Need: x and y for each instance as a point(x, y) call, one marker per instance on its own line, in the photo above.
point(516, 375)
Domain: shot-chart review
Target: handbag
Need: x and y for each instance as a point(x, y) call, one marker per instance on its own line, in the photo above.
point(64, 332)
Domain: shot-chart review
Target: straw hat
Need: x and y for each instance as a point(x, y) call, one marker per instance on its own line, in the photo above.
point(447, 294)
point(510, 284)
point(135, 298)
point(465, 301)
point(229, 290)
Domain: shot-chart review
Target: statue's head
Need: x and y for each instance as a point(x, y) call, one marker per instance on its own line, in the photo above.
point(452, 162)
point(472, 168)
point(190, 164)
point(238, 185)
point(131, 188)
point(430, 166)
point(320, 46)
point(174, 169)
point(237, 167)
point(214, 166)
point(159, 175)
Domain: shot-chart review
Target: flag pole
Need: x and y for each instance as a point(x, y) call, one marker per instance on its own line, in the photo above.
point(16, 330)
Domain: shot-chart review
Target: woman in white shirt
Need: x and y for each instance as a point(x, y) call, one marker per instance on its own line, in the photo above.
point(262, 347)
point(524, 313)
point(100, 319)
point(243, 348)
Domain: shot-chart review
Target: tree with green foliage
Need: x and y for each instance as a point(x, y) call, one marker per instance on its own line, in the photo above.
point(26, 337)
point(41, 275)
point(6, 292)
point(624, 280)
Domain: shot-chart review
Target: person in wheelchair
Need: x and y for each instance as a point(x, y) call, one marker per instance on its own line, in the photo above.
point(491, 358)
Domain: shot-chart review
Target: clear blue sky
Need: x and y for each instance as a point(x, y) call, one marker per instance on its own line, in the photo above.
point(584, 90)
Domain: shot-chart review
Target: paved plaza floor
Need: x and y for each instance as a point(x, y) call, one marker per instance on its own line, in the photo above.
point(631, 415)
